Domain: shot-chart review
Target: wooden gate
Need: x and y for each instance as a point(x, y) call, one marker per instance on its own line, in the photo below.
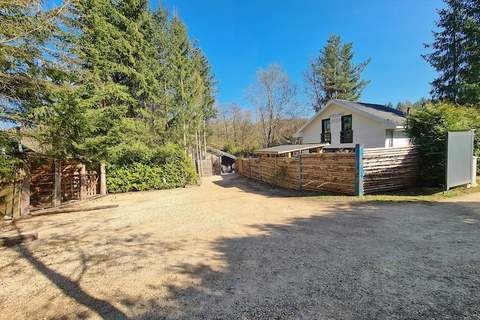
point(42, 183)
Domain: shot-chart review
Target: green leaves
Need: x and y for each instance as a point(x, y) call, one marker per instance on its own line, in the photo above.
point(428, 127)
point(334, 76)
point(140, 169)
point(103, 80)
point(456, 53)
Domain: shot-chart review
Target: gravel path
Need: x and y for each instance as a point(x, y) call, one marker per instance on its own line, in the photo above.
point(232, 249)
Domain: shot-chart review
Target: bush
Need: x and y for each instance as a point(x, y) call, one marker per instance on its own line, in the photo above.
point(428, 128)
point(138, 169)
point(11, 160)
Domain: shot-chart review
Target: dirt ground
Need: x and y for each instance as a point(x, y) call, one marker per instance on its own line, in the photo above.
point(232, 249)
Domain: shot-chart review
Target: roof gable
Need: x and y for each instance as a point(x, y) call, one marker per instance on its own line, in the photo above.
point(385, 115)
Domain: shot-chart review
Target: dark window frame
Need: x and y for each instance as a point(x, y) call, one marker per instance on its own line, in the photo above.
point(346, 134)
point(326, 136)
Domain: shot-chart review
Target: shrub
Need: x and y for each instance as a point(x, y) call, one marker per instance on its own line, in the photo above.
point(138, 169)
point(428, 128)
point(11, 160)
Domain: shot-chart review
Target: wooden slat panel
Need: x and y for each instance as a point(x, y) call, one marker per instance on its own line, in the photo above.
point(388, 169)
point(329, 172)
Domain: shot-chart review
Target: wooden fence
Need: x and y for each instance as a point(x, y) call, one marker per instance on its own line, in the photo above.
point(344, 172)
point(387, 169)
point(48, 183)
point(327, 172)
point(75, 184)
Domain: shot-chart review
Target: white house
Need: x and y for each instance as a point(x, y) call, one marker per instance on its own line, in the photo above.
point(344, 123)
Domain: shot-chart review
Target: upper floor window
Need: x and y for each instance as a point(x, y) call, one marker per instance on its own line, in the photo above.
point(326, 135)
point(346, 135)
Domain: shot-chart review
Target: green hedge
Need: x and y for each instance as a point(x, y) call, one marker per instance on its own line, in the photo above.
point(428, 127)
point(162, 168)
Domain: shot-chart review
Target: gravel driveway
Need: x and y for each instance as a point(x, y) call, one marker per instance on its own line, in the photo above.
point(232, 249)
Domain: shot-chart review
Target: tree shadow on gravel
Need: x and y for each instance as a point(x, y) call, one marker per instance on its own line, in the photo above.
point(137, 246)
point(72, 288)
point(257, 187)
point(411, 261)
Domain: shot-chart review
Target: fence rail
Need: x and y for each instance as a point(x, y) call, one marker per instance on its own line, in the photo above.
point(384, 169)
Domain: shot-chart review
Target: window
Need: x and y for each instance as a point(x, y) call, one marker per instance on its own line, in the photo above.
point(326, 135)
point(346, 135)
point(389, 134)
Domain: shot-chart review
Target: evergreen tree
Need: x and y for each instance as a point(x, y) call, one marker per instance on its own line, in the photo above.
point(470, 80)
point(181, 82)
point(333, 75)
point(456, 53)
point(113, 45)
point(116, 79)
point(447, 56)
point(34, 87)
point(203, 68)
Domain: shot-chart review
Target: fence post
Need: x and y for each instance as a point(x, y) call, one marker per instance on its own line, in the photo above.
point(25, 195)
point(299, 172)
point(57, 183)
point(83, 182)
point(103, 179)
point(359, 170)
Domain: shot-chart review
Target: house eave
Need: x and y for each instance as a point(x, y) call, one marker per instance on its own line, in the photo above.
point(388, 124)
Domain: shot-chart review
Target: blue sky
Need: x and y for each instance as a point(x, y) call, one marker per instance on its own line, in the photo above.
point(240, 36)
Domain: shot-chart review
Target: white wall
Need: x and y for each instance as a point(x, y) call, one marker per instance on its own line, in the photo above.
point(367, 132)
point(400, 139)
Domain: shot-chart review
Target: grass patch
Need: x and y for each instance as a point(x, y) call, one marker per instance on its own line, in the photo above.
point(410, 195)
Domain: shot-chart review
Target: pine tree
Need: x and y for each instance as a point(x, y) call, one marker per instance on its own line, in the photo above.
point(181, 82)
point(203, 69)
point(470, 79)
point(25, 29)
point(96, 49)
point(117, 77)
point(448, 55)
point(36, 94)
point(333, 75)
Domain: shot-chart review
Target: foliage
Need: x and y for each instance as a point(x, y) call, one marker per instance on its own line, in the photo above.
point(408, 106)
point(428, 128)
point(10, 163)
point(137, 169)
point(32, 91)
point(92, 78)
point(456, 53)
point(332, 75)
point(236, 131)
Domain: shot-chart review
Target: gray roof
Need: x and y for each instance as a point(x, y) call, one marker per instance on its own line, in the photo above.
point(286, 148)
point(388, 116)
point(221, 153)
point(378, 110)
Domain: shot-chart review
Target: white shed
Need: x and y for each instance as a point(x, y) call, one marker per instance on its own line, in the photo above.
point(342, 124)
